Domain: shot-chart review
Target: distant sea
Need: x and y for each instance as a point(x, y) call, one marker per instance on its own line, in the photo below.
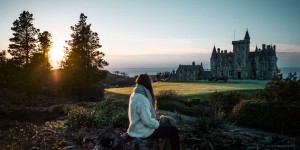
point(136, 71)
point(153, 71)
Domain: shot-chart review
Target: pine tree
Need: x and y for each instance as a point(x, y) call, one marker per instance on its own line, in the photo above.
point(44, 48)
point(83, 61)
point(24, 40)
point(3, 60)
point(39, 67)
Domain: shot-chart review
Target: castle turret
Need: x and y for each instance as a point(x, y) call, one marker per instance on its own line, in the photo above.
point(263, 46)
point(213, 60)
point(247, 43)
point(247, 37)
point(274, 49)
point(213, 54)
point(256, 49)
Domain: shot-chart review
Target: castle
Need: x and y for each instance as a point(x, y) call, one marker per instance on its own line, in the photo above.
point(239, 64)
point(243, 64)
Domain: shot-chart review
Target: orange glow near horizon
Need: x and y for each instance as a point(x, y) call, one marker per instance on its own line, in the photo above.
point(56, 55)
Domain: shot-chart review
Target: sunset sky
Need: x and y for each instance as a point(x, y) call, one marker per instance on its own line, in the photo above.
point(139, 27)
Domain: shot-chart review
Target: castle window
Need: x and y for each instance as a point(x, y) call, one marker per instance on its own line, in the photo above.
point(239, 62)
point(263, 65)
point(230, 73)
point(221, 73)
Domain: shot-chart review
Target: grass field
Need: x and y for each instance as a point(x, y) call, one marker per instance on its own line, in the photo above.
point(199, 89)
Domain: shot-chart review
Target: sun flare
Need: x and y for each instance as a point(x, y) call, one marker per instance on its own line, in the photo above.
point(56, 55)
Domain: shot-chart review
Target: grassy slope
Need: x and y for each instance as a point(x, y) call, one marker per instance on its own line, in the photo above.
point(199, 89)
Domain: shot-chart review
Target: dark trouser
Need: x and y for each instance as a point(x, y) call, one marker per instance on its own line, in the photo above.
point(167, 132)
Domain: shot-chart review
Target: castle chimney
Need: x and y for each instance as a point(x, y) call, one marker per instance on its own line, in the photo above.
point(218, 50)
point(268, 47)
point(225, 51)
point(274, 50)
point(263, 46)
point(193, 63)
point(221, 51)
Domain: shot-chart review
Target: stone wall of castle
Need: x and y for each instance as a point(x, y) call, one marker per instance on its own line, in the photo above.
point(243, 64)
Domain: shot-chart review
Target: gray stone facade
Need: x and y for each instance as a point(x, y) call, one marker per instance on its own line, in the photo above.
point(189, 73)
point(243, 64)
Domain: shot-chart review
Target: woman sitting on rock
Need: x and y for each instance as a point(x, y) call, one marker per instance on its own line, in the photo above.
point(142, 118)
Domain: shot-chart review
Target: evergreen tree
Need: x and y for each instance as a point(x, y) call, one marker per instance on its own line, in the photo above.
point(39, 67)
point(22, 50)
point(44, 48)
point(3, 60)
point(24, 40)
point(83, 60)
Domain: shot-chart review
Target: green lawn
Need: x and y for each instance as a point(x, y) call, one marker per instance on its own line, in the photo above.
point(199, 89)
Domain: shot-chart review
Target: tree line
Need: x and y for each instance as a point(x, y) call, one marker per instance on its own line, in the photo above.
point(28, 70)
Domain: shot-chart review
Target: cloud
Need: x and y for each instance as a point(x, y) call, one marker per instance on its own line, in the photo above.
point(285, 59)
point(158, 46)
point(288, 59)
point(156, 60)
point(287, 48)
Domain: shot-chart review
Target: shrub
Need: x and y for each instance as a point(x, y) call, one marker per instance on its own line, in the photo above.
point(79, 117)
point(120, 120)
point(80, 135)
point(192, 102)
point(10, 97)
point(203, 110)
point(230, 100)
point(268, 116)
point(179, 119)
point(96, 93)
point(167, 95)
point(274, 108)
point(107, 113)
point(170, 100)
point(234, 97)
point(204, 124)
point(281, 90)
point(55, 125)
point(177, 106)
point(201, 125)
point(111, 113)
point(216, 100)
point(223, 103)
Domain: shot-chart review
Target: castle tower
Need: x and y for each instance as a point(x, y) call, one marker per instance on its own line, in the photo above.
point(247, 41)
point(213, 61)
point(241, 51)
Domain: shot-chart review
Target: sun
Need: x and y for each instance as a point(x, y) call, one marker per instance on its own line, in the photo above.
point(56, 55)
